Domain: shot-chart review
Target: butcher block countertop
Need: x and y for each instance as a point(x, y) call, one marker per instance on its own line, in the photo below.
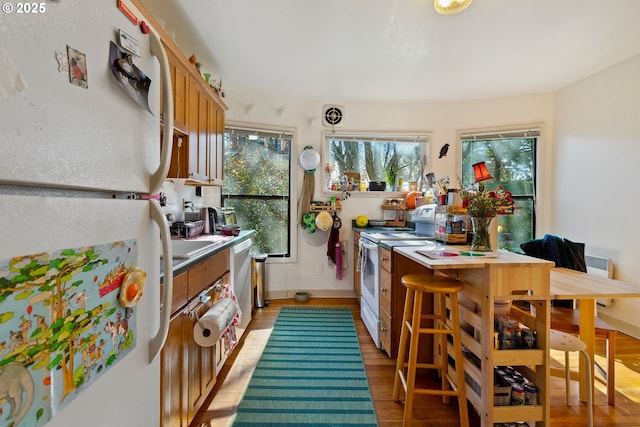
point(503, 258)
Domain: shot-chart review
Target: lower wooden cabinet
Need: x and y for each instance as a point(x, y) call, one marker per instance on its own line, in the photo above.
point(173, 371)
point(392, 298)
point(188, 371)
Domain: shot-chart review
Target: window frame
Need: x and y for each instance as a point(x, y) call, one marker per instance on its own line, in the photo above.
point(422, 137)
point(511, 132)
point(291, 257)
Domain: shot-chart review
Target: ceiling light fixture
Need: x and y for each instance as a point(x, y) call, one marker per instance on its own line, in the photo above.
point(449, 7)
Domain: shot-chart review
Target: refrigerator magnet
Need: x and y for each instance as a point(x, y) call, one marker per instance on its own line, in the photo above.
point(129, 43)
point(63, 61)
point(77, 67)
point(132, 287)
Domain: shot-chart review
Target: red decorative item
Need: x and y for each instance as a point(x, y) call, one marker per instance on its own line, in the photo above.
point(480, 172)
point(144, 27)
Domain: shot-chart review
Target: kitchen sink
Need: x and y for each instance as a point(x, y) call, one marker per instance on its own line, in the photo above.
point(188, 248)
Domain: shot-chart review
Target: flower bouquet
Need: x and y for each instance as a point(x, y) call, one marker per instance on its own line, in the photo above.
point(482, 206)
point(487, 203)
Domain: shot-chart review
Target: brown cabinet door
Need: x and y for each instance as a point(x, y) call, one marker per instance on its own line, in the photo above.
point(180, 90)
point(202, 371)
point(194, 131)
point(173, 371)
point(215, 142)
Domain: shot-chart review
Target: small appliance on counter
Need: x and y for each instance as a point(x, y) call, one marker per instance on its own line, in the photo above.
point(210, 217)
point(424, 219)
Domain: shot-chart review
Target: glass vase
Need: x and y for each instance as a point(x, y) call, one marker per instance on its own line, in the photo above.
point(481, 241)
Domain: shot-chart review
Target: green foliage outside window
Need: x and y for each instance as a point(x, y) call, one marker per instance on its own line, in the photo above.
point(257, 183)
point(511, 162)
point(375, 158)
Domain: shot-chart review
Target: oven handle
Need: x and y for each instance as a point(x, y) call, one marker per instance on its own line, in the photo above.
point(369, 246)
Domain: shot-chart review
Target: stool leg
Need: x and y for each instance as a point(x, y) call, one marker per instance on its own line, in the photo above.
point(444, 361)
point(457, 348)
point(413, 357)
point(567, 376)
point(587, 362)
point(402, 348)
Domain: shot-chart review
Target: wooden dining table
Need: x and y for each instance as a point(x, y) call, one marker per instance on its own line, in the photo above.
point(587, 288)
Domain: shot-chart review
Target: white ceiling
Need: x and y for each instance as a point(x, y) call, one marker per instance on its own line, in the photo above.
point(403, 51)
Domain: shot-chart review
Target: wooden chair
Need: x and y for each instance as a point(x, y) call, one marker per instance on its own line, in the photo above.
point(568, 320)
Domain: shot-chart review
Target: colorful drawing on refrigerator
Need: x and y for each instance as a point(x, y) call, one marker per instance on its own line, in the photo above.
point(61, 326)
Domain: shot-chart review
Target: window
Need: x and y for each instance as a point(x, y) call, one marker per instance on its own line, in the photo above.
point(510, 158)
point(257, 166)
point(360, 159)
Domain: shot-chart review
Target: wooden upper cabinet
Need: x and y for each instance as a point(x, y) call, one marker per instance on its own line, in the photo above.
point(198, 124)
point(180, 80)
point(216, 143)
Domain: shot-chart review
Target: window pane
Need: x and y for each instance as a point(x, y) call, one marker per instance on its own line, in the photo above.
point(270, 219)
point(374, 159)
point(256, 183)
point(511, 162)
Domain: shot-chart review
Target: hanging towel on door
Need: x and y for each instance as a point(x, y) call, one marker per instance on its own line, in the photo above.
point(338, 261)
point(362, 258)
point(334, 238)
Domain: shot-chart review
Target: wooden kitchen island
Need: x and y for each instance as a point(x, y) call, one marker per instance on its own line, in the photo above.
point(507, 277)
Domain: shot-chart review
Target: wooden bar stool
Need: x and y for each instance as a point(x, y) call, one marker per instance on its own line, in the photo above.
point(417, 285)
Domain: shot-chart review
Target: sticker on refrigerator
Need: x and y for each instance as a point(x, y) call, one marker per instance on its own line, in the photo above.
point(129, 43)
point(77, 67)
point(129, 77)
point(61, 325)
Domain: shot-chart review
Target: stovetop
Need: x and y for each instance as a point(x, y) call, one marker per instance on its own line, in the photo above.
point(377, 236)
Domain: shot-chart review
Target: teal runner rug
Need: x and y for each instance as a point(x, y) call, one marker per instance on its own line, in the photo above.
point(311, 373)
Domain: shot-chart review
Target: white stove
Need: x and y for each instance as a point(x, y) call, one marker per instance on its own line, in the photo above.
point(370, 272)
point(377, 236)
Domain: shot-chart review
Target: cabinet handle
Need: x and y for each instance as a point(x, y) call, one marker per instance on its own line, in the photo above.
point(383, 290)
point(383, 329)
point(384, 258)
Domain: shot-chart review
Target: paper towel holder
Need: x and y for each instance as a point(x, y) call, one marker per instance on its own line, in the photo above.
point(204, 298)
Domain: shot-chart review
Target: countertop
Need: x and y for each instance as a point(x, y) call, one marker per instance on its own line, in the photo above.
point(503, 258)
point(180, 265)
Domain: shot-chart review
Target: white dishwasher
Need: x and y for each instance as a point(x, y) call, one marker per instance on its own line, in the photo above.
point(241, 280)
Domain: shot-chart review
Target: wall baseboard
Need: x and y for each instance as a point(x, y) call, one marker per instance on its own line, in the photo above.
point(314, 293)
point(621, 325)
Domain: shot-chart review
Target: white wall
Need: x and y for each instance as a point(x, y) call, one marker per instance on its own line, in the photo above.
point(595, 172)
point(442, 121)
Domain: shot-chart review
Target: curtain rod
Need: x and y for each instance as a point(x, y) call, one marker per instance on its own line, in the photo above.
point(254, 130)
point(375, 137)
point(506, 134)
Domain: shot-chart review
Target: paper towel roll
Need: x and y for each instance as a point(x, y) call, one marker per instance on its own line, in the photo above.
point(210, 327)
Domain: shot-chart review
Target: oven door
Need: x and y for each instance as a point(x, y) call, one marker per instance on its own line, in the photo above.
point(372, 322)
point(369, 277)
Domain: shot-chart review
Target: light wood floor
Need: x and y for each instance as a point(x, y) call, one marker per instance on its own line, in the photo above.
point(428, 411)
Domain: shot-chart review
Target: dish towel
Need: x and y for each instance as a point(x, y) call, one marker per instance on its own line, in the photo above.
point(334, 238)
point(362, 259)
point(229, 335)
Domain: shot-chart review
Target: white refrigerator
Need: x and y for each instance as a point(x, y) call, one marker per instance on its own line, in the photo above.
point(81, 228)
